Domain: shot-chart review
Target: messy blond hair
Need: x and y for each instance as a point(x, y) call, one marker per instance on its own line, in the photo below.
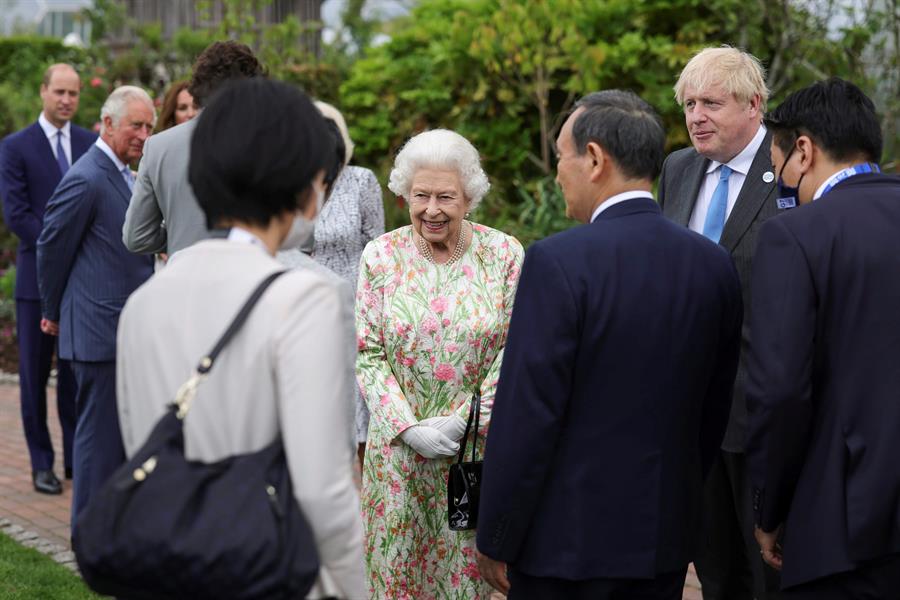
point(740, 73)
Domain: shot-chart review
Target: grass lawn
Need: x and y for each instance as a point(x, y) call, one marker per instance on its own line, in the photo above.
point(26, 574)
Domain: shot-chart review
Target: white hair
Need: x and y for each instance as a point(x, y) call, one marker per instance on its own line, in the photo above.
point(116, 104)
point(440, 149)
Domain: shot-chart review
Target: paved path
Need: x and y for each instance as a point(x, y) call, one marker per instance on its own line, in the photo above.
point(24, 512)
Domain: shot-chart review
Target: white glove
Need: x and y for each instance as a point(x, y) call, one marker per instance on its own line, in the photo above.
point(453, 426)
point(429, 442)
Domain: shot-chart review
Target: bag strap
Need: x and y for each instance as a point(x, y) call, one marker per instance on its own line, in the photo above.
point(474, 412)
point(188, 389)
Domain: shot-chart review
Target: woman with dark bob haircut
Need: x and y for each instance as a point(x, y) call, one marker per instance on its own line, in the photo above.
point(256, 166)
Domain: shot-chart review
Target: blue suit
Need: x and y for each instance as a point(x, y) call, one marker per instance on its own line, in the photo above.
point(28, 175)
point(613, 399)
point(85, 275)
point(823, 385)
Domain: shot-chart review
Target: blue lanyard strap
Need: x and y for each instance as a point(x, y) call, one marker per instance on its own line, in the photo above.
point(850, 172)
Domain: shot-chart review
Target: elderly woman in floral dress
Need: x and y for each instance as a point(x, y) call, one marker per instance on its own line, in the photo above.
point(433, 306)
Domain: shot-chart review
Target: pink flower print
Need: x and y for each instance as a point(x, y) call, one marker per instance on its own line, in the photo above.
point(445, 372)
point(360, 343)
point(468, 272)
point(379, 510)
point(395, 486)
point(439, 304)
point(446, 322)
point(429, 325)
point(454, 580)
point(471, 571)
point(385, 400)
point(408, 361)
point(452, 348)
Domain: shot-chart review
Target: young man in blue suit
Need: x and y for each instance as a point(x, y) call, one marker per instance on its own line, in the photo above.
point(616, 380)
point(85, 275)
point(823, 385)
point(32, 162)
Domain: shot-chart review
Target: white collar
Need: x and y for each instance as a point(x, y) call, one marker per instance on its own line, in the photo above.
point(741, 163)
point(109, 152)
point(50, 130)
point(238, 234)
point(612, 200)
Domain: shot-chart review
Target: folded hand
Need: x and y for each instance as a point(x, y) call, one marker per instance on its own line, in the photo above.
point(429, 442)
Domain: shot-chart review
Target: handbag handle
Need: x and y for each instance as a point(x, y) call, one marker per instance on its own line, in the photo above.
point(189, 388)
point(474, 411)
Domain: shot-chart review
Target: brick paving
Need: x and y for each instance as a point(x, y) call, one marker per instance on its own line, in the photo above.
point(41, 521)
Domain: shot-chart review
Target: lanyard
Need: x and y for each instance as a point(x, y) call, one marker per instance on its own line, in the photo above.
point(847, 173)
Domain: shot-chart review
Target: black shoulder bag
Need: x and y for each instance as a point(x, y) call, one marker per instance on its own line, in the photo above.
point(165, 527)
point(464, 478)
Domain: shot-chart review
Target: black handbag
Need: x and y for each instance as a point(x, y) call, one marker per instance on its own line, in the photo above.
point(464, 478)
point(165, 527)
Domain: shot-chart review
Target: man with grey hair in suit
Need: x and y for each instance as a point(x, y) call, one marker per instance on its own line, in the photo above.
point(724, 188)
point(163, 215)
point(85, 275)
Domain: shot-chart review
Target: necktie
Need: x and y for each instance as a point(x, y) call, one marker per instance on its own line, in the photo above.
point(715, 216)
point(129, 178)
point(61, 159)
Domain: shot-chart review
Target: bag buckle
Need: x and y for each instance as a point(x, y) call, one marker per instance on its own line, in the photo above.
point(186, 394)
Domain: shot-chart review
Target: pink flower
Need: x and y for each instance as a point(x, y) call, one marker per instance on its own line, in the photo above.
point(445, 372)
point(452, 348)
point(429, 325)
point(471, 571)
point(379, 510)
point(439, 304)
point(96, 82)
point(468, 272)
point(454, 580)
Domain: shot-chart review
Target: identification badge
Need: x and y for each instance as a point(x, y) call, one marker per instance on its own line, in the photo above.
point(789, 202)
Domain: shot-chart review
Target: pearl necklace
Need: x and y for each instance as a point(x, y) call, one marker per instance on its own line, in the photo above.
point(425, 247)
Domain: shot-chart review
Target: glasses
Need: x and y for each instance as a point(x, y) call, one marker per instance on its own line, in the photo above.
point(443, 199)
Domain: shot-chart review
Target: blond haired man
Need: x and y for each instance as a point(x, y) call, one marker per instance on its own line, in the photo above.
point(724, 188)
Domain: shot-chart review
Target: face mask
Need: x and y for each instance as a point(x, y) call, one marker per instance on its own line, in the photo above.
point(302, 233)
point(788, 196)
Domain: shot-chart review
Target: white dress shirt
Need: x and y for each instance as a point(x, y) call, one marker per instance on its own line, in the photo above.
point(739, 165)
point(51, 131)
point(613, 200)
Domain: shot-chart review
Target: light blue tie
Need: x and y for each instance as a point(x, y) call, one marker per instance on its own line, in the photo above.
point(715, 216)
point(129, 178)
point(61, 159)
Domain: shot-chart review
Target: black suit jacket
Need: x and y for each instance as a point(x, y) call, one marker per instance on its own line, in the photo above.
point(823, 383)
point(679, 184)
point(613, 397)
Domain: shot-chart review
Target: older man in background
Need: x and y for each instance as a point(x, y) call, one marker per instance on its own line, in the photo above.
point(85, 274)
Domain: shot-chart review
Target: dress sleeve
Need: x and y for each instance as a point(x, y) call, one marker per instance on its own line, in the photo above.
point(371, 208)
point(512, 267)
point(389, 409)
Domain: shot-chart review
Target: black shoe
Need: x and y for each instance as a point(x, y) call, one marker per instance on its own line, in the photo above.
point(68, 472)
point(46, 482)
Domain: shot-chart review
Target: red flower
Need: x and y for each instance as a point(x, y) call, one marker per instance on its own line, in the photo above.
point(445, 372)
point(96, 82)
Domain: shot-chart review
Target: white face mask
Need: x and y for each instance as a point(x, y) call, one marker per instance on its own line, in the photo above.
point(302, 233)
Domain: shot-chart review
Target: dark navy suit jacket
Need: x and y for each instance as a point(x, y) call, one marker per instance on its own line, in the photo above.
point(85, 274)
point(613, 398)
point(28, 175)
point(824, 378)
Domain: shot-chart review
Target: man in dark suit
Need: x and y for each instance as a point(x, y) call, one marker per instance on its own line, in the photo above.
point(32, 162)
point(85, 274)
point(724, 188)
point(823, 385)
point(616, 380)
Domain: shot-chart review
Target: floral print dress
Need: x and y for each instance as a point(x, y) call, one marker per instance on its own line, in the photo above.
point(429, 335)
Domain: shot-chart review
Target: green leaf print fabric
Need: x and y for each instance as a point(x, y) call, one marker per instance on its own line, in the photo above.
point(428, 336)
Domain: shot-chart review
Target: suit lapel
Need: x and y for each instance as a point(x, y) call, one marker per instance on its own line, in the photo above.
point(754, 193)
point(693, 176)
point(115, 178)
point(42, 144)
